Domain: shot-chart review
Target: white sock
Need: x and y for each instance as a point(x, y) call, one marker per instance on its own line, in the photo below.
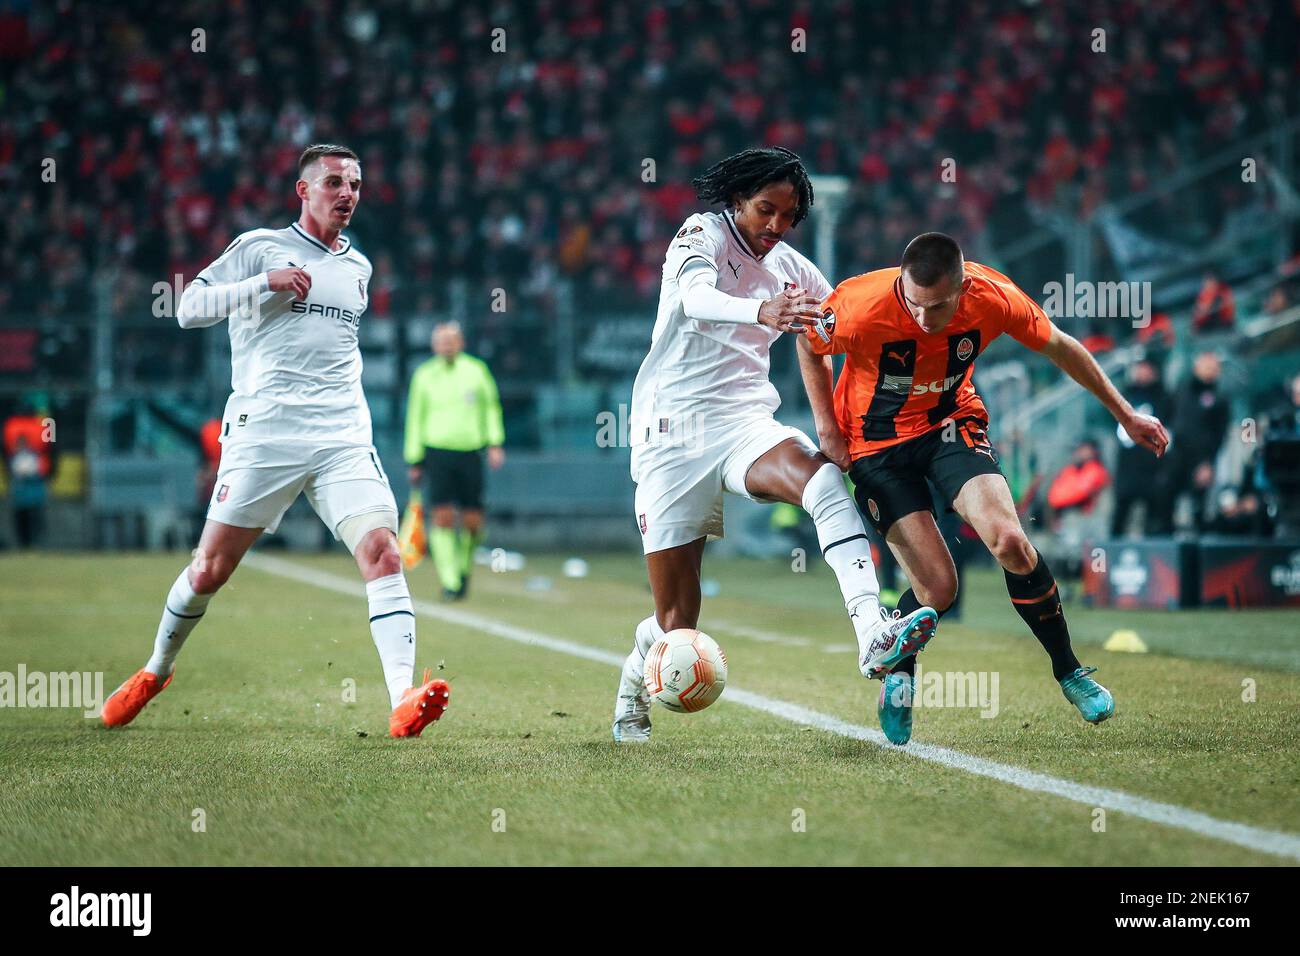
point(844, 545)
point(181, 612)
point(392, 625)
point(633, 679)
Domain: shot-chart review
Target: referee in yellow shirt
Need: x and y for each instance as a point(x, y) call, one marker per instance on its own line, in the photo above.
point(453, 413)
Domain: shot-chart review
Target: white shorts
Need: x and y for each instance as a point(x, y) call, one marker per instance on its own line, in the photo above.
point(260, 478)
point(679, 487)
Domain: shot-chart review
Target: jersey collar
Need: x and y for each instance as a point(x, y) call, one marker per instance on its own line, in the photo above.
point(898, 297)
point(344, 242)
point(740, 240)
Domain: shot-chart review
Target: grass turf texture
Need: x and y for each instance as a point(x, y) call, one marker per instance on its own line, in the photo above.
point(255, 732)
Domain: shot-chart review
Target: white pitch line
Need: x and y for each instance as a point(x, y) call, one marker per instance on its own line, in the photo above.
point(1274, 842)
point(771, 637)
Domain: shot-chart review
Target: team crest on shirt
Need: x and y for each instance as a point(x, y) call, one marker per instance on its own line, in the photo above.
point(222, 493)
point(964, 349)
point(687, 230)
point(361, 291)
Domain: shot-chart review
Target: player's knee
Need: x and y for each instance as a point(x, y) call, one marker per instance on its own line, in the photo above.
point(209, 573)
point(379, 554)
point(1012, 549)
point(387, 562)
point(444, 516)
point(473, 521)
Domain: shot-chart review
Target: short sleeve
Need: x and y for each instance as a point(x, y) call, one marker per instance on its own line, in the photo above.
point(699, 239)
point(1026, 322)
point(241, 260)
point(816, 283)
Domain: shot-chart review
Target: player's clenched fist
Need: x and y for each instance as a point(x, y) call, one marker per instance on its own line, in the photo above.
point(835, 447)
point(788, 311)
point(296, 281)
point(1146, 430)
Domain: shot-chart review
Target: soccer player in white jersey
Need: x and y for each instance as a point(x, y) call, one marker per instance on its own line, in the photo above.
point(702, 416)
point(296, 423)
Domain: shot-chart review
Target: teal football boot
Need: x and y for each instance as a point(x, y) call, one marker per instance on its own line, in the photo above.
point(1095, 702)
point(895, 707)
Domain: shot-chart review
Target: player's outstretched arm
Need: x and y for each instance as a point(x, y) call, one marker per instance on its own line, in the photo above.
point(1074, 360)
point(818, 373)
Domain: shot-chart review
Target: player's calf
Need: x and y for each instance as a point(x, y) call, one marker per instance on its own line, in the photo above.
point(1037, 600)
point(183, 608)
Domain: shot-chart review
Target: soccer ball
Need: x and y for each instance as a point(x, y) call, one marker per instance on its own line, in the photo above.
point(685, 670)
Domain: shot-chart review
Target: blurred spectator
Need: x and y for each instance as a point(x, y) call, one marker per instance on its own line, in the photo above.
point(1283, 416)
point(1197, 427)
point(29, 454)
point(1215, 310)
point(1139, 474)
point(206, 479)
point(1098, 339)
point(1080, 483)
point(1157, 336)
point(1072, 499)
point(27, 492)
point(1240, 510)
point(471, 160)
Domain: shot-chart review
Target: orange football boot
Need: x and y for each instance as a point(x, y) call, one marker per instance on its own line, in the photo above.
point(419, 707)
point(128, 700)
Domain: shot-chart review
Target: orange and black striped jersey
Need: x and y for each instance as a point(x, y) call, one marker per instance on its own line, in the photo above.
point(900, 381)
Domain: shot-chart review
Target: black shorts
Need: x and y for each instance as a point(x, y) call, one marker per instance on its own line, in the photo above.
point(454, 478)
point(892, 483)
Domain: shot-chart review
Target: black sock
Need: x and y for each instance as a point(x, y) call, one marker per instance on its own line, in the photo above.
point(1038, 602)
point(907, 603)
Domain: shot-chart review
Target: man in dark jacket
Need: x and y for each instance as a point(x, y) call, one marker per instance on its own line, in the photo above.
point(1199, 423)
point(1138, 476)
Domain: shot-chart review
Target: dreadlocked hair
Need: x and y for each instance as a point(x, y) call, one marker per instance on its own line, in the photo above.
point(750, 170)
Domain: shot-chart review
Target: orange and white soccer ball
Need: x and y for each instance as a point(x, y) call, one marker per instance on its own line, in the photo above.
point(685, 670)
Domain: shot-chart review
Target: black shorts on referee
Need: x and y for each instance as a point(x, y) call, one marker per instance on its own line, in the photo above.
point(454, 478)
point(892, 482)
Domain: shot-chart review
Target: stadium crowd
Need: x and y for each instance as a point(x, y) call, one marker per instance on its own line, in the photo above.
point(175, 127)
point(137, 139)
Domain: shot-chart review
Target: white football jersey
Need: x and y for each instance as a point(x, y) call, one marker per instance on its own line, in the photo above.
point(295, 365)
point(713, 372)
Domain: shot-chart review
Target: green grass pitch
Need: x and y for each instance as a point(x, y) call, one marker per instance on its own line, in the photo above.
point(256, 733)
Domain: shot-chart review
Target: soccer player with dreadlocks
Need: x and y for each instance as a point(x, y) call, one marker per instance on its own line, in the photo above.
point(702, 415)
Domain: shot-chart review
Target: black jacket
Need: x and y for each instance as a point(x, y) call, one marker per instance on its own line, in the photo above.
point(1200, 420)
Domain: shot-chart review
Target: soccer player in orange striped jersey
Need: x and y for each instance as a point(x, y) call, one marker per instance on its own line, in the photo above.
point(905, 410)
